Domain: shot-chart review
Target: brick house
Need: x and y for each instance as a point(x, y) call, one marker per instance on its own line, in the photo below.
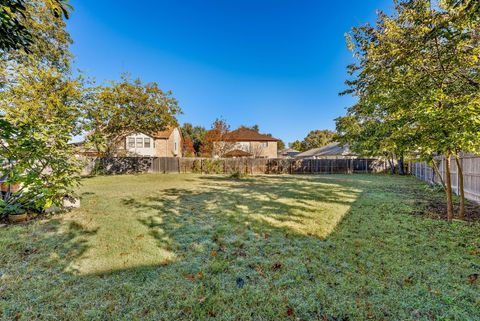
point(166, 143)
point(245, 142)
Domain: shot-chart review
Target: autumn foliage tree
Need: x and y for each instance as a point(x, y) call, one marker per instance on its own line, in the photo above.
point(215, 145)
point(195, 134)
point(188, 148)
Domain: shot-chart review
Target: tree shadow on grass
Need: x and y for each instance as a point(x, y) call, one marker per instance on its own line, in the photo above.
point(279, 242)
point(252, 250)
point(297, 206)
point(35, 257)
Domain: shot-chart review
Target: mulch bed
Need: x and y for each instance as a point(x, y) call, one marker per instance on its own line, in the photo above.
point(437, 209)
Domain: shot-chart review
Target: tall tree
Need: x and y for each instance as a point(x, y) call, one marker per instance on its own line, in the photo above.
point(417, 82)
point(15, 27)
point(297, 145)
point(215, 144)
point(40, 105)
point(196, 134)
point(128, 107)
point(39, 117)
point(317, 138)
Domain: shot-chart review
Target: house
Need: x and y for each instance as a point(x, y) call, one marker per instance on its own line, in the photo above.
point(333, 150)
point(166, 143)
point(288, 153)
point(245, 142)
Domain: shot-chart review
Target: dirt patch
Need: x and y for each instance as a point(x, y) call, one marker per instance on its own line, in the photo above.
point(437, 209)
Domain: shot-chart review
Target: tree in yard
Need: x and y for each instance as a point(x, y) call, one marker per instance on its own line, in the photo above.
point(188, 148)
point(40, 115)
point(196, 134)
point(15, 22)
point(417, 83)
point(317, 138)
point(314, 139)
point(127, 107)
point(280, 145)
point(215, 143)
point(40, 105)
point(297, 145)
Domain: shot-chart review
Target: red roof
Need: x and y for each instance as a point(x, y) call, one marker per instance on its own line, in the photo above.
point(247, 135)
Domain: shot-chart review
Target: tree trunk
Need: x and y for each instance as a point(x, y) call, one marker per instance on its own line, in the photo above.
point(392, 166)
point(437, 172)
point(448, 181)
point(401, 166)
point(461, 214)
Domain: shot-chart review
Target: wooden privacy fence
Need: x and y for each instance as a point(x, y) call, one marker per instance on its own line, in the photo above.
point(128, 165)
point(471, 175)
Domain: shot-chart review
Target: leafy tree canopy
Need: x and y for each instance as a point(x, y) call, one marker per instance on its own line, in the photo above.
point(128, 107)
point(16, 26)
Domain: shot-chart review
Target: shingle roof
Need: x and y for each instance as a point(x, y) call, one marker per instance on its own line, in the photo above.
point(247, 135)
point(164, 134)
point(333, 149)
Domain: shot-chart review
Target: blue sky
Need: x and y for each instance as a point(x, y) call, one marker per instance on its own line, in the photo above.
point(279, 64)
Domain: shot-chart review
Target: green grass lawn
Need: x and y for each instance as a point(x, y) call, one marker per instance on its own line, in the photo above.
point(188, 247)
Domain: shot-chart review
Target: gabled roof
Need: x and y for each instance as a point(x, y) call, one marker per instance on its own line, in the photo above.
point(237, 153)
point(333, 149)
point(164, 134)
point(247, 135)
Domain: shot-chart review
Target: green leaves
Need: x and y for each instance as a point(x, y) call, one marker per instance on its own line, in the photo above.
point(40, 115)
point(416, 81)
point(127, 107)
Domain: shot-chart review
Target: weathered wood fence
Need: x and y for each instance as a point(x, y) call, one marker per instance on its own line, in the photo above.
point(471, 175)
point(128, 165)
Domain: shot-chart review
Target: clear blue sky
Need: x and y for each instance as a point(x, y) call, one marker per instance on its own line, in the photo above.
point(277, 63)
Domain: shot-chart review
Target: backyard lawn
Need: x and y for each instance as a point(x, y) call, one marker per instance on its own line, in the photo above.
point(172, 247)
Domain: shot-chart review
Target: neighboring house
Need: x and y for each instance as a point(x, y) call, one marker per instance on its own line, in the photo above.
point(333, 150)
point(237, 153)
point(288, 153)
point(167, 143)
point(245, 142)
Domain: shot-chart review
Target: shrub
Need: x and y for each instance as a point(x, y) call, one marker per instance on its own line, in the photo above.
point(212, 166)
point(238, 175)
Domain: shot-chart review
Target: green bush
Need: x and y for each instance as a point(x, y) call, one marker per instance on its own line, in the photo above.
point(238, 175)
point(197, 166)
point(212, 166)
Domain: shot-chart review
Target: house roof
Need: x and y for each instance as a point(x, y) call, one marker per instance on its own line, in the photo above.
point(237, 153)
point(333, 149)
point(164, 134)
point(289, 151)
point(247, 135)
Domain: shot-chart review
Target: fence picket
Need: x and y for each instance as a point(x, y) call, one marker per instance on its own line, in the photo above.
point(471, 175)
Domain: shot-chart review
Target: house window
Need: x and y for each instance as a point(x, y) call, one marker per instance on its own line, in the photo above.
point(146, 142)
point(139, 142)
point(131, 142)
point(175, 146)
point(265, 144)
